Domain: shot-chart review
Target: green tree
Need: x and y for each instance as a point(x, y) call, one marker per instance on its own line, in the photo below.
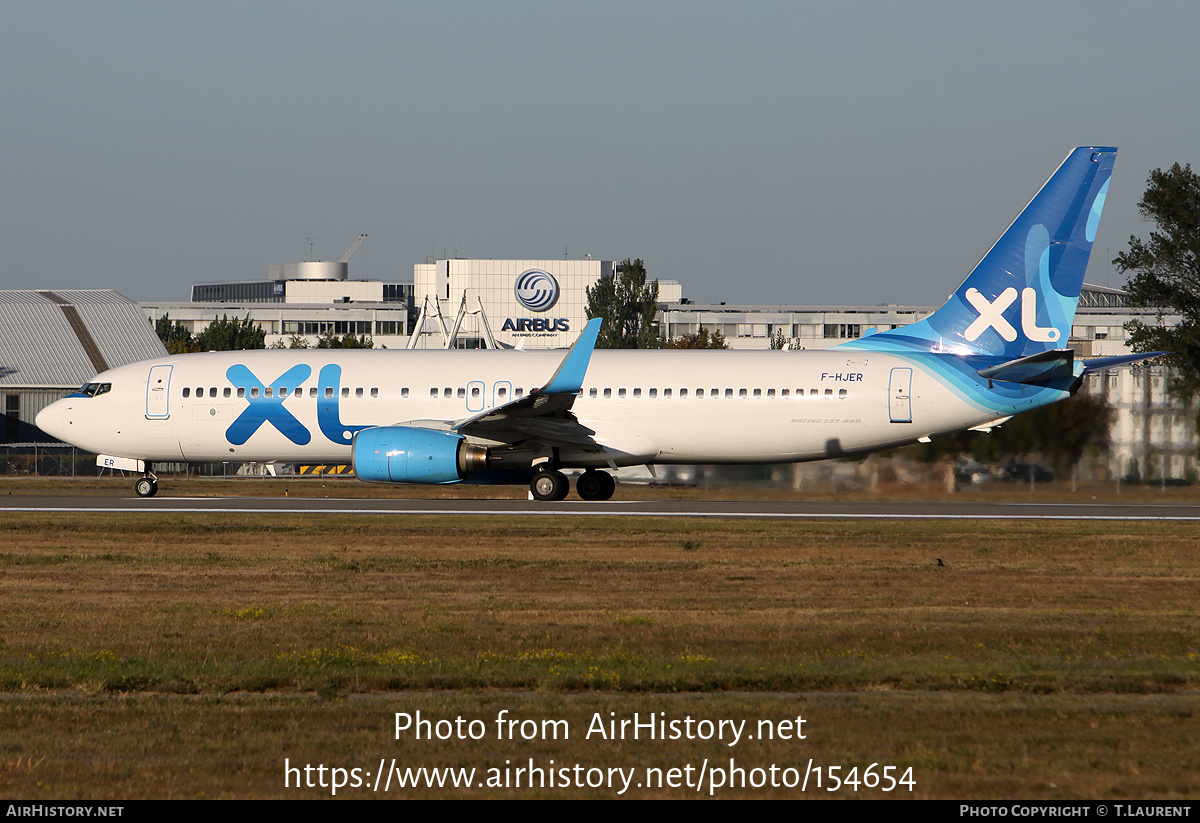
point(175, 336)
point(779, 341)
point(296, 341)
point(1060, 433)
point(1164, 272)
point(700, 340)
point(329, 340)
point(627, 303)
point(231, 335)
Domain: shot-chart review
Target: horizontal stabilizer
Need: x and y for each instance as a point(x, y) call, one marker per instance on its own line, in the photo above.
point(1102, 363)
point(1036, 369)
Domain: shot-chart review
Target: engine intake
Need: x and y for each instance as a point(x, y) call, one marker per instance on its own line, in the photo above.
point(405, 454)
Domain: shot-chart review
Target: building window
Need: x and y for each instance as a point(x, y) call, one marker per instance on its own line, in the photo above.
point(843, 330)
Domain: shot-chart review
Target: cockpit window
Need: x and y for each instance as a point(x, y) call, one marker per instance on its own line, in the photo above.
point(94, 389)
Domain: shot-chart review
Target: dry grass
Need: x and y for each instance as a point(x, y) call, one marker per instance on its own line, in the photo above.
point(348, 487)
point(1042, 660)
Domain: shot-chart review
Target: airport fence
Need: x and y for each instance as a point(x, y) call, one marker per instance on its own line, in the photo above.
point(841, 475)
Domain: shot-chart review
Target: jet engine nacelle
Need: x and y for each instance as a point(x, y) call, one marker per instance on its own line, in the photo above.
point(406, 454)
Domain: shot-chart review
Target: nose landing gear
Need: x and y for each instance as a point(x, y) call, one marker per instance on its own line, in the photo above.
point(147, 484)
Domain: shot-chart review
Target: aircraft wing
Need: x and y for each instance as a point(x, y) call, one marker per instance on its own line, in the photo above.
point(545, 413)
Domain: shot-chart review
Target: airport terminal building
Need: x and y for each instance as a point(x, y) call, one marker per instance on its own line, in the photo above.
point(471, 303)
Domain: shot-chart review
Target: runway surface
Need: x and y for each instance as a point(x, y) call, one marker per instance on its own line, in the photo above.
point(798, 509)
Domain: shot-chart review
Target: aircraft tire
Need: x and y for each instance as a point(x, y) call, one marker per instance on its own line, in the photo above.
point(595, 485)
point(145, 487)
point(549, 485)
point(610, 486)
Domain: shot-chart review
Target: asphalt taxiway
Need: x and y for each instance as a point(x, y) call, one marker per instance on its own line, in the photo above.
point(771, 509)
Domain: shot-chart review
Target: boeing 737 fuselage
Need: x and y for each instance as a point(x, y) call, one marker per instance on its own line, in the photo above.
point(995, 349)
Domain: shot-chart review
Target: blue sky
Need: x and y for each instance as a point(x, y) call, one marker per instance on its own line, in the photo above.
point(759, 152)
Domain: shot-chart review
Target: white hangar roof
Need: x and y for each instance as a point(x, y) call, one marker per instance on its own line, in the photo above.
point(63, 337)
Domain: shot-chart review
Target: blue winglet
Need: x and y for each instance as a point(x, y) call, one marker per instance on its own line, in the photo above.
point(569, 377)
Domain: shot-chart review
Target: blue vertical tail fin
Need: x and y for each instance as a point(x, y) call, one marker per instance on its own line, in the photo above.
point(1021, 297)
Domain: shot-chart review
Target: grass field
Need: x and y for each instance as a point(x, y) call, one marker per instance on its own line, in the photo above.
point(143, 658)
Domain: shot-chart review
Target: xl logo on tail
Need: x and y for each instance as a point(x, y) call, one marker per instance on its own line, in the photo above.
point(991, 316)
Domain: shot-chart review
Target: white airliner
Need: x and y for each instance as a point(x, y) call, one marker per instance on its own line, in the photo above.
point(996, 348)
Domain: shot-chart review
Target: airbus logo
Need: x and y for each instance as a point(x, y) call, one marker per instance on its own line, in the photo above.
point(991, 316)
point(536, 290)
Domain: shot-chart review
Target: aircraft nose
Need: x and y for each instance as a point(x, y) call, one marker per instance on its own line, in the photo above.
point(51, 420)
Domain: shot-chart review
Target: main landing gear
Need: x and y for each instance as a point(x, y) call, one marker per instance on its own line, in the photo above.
point(553, 485)
point(595, 485)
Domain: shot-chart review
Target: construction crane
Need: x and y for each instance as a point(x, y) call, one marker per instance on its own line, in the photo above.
point(353, 247)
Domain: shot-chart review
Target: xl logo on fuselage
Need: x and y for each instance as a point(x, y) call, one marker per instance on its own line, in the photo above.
point(991, 316)
point(266, 405)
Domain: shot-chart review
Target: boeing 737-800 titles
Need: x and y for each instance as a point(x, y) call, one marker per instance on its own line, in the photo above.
point(996, 348)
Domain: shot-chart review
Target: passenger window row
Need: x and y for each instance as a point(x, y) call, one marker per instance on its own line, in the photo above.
point(476, 391)
point(269, 391)
point(700, 393)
